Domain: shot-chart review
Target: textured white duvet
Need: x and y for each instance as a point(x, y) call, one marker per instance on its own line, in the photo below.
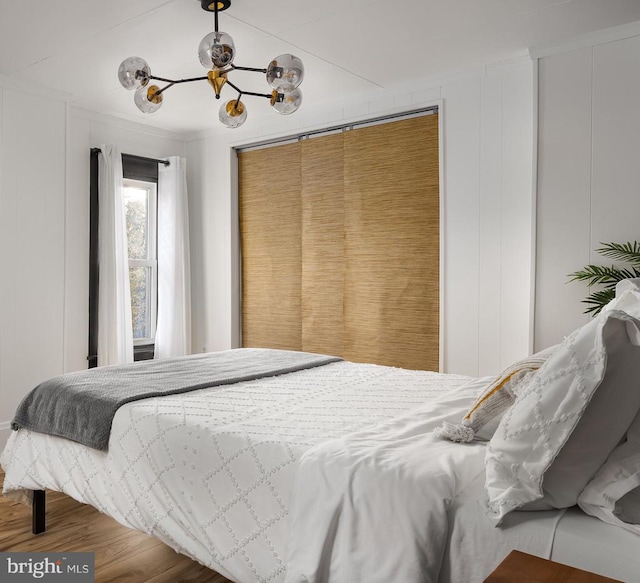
point(372, 506)
point(211, 472)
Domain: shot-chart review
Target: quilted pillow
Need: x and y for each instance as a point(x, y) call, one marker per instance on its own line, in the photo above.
point(567, 421)
point(497, 396)
point(614, 494)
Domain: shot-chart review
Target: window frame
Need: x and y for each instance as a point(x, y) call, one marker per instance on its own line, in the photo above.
point(152, 254)
point(134, 168)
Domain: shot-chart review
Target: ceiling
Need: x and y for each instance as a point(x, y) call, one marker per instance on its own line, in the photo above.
point(348, 46)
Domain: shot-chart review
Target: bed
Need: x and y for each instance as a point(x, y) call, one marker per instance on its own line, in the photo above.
point(354, 472)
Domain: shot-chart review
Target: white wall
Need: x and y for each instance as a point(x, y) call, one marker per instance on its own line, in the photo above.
point(44, 232)
point(488, 161)
point(589, 168)
point(588, 192)
point(487, 121)
point(32, 244)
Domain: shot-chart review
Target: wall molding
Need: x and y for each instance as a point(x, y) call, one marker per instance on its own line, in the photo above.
point(33, 88)
point(599, 37)
point(393, 94)
point(123, 123)
point(508, 66)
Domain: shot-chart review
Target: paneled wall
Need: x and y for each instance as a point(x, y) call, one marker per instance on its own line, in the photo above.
point(486, 149)
point(488, 222)
point(588, 192)
point(486, 177)
point(32, 244)
point(589, 171)
point(44, 233)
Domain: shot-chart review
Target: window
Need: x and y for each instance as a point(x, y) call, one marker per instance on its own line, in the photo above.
point(140, 209)
point(141, 181)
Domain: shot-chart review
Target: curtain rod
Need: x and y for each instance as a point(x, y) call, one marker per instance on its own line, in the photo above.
point(338, 128)
point(165, 162)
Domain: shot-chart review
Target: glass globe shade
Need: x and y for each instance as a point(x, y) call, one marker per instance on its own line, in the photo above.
point(146, 99)
point(289, 102)
point(285, 73)
point(134, 73)
point(216, 50)
point(231, 115)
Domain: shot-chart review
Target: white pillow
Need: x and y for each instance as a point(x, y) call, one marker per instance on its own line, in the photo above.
point(627, 299)
point(566, 422)
point(614, 494)
point(628, 284)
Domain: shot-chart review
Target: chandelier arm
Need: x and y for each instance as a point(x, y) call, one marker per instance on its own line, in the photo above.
point(248, 69)
point(161, 91)
point(215, 16)
point(241, 92)
point(171, 82)
point(234, 86)
point(267, 95)
point(175, 81)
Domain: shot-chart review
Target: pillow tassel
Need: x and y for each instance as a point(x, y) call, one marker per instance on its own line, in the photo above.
point(459, 433)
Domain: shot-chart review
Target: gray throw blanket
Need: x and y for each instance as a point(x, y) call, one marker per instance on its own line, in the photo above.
point(81, 405)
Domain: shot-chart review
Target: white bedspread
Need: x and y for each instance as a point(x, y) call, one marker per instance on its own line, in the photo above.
point(211, 472)
point(372, 506)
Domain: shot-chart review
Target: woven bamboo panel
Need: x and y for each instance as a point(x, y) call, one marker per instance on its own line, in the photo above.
point(322, 244)
point(270, 208)
point(391, 294)
point(340, 245)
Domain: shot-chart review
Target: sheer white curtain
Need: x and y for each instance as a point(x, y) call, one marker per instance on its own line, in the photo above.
point(115, 335)
point(173, 332)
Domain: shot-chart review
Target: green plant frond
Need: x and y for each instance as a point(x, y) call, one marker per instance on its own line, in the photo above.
point(599, 274)
point(608, 277)
point(626, 252)
point(598, 300)
point(629, 273)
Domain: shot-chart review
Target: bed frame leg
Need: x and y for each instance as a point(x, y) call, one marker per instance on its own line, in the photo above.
point(38, 521)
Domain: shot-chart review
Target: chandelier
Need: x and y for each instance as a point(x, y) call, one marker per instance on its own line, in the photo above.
point(216, 52)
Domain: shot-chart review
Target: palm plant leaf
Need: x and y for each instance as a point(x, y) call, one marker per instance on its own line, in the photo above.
point(598, 300)
point(599, 274)
point(626, 252)
point(608, 277)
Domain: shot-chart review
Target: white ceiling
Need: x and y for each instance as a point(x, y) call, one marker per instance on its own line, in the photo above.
point(348, 46)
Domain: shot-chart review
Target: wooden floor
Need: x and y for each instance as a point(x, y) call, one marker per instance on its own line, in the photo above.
point(122, 555)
